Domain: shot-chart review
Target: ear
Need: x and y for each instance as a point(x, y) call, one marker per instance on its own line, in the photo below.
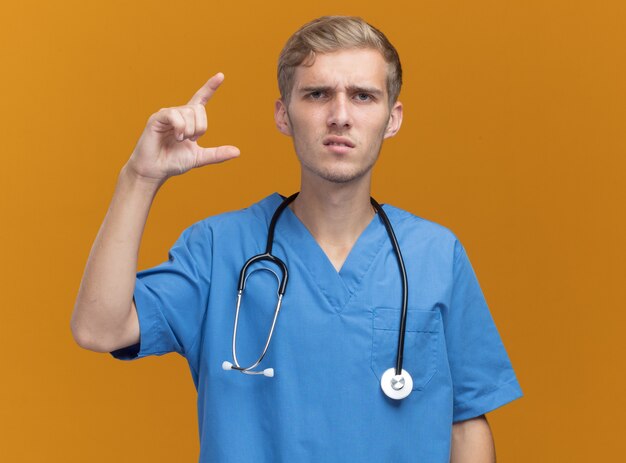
point(282, 118)
point(395, 120)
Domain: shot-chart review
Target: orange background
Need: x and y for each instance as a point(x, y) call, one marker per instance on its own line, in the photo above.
point(513, 138)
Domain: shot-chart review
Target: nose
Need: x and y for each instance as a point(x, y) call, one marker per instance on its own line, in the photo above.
point(339, 112)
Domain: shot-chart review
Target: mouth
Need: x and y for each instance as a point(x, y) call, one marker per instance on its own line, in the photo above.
point(340, 142)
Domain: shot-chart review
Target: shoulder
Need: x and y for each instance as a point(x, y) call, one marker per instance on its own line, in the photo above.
point(428, 238)
point(227, 224)
point(413, 226)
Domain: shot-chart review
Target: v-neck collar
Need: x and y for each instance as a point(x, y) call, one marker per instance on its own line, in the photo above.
point(337, 287)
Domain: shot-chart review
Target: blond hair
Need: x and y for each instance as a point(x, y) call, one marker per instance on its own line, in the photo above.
point(333, 33)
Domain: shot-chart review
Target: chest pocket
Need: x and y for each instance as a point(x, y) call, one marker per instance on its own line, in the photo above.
point(420, 343)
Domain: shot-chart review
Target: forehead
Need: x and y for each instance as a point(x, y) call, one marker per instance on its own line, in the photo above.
point(351, 67)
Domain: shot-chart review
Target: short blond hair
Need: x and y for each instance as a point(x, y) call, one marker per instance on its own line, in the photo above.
point(332, 33)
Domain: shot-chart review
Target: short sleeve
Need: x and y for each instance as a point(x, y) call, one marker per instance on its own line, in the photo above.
point(171, 298)
point(482, 376)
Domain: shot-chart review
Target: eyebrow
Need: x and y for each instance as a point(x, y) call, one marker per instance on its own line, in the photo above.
point(352, 89)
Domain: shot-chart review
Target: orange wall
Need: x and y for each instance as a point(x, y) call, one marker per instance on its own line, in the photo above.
point(514, 138)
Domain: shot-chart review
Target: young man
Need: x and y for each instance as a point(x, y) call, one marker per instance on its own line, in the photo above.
point(335, 391)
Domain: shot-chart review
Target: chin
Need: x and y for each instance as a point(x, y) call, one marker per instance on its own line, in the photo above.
point(342, 176)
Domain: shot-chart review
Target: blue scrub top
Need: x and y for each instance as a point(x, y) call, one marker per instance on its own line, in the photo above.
point(336, 334)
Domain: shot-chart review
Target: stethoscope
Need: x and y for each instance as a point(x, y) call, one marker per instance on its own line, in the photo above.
point(396, 382)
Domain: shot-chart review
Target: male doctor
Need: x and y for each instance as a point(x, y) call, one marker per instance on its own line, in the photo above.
point(337, 331)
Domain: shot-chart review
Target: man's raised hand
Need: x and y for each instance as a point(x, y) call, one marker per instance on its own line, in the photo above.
point(168, 145)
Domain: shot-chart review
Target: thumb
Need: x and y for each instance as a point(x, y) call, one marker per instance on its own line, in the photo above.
point(205, 156)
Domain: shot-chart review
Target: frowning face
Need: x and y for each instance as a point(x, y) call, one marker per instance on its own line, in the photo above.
point(339, 115)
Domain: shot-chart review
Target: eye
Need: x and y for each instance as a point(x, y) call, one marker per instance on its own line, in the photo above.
point(316, 95)
point(362, 96)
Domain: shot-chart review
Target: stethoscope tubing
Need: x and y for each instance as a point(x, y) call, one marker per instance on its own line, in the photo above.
point(282, 287)
point(267, 255)
point(405, 285)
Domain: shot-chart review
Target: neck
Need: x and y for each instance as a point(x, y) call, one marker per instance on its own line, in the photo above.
point(336, 215)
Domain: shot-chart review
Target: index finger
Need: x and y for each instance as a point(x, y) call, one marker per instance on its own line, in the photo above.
point(205, 92)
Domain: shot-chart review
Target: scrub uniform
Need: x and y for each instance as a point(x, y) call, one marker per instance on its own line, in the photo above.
point(336, 334)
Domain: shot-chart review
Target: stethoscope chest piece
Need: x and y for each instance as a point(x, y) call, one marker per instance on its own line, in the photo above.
point(396, 386)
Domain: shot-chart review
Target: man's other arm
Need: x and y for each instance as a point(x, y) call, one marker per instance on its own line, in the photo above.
point(472, 442)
